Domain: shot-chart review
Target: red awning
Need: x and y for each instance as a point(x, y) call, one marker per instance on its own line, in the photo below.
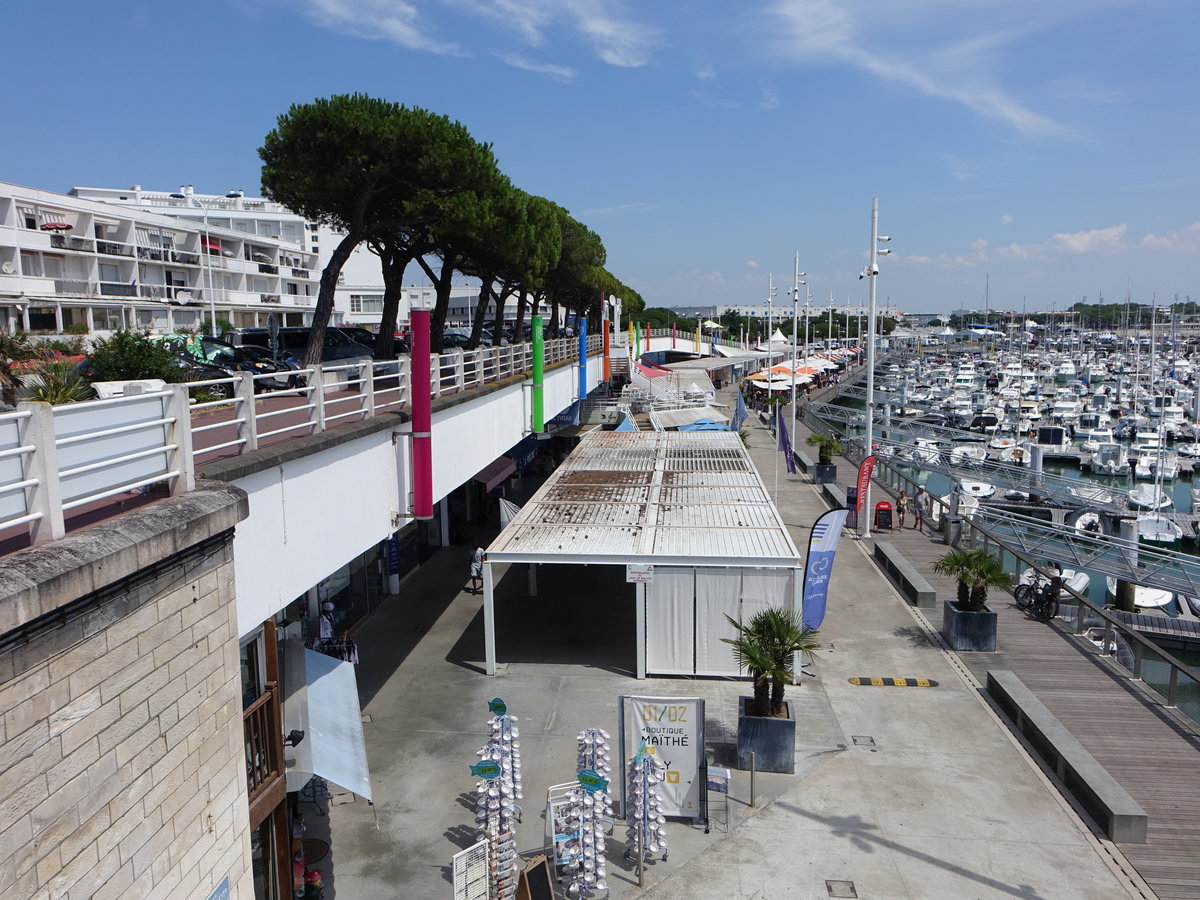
point(495, 472)
point(55, 226)
point(212, 245)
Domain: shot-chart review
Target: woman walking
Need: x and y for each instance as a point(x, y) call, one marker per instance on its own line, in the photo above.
point(901, 508)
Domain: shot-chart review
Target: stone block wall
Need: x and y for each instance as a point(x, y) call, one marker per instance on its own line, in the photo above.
point(122, 760)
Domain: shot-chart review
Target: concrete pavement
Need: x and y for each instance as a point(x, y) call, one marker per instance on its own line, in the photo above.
point(902, 792)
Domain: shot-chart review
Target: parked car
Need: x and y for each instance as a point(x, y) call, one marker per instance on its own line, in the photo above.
point(187, 368)
point(364, 336)
point(251, 360)
point(338, 349)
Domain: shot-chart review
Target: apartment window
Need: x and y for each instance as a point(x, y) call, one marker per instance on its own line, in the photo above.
point(28, 217)
point(107, 318)
point(108, 272)
point(31, 263)
point(52, 266)
point(366, 303)
point(42, 318)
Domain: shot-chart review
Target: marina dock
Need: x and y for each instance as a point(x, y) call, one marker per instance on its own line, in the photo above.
point(1150, 750)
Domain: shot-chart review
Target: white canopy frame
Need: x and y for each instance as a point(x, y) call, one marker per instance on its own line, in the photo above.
point(679, 499)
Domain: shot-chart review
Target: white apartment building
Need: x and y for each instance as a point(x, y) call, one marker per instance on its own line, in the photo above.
point(71, 263)
point(359, 296)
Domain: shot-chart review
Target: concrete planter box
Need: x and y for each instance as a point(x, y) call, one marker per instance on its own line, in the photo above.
point(772, 740)
point(825, 474)
point(975, 631)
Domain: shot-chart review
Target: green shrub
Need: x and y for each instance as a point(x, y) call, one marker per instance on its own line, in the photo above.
point(56, 382)
point(76, 328)
point(130, 354)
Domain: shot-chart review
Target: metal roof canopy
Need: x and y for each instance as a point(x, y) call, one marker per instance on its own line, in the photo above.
point(651, 498)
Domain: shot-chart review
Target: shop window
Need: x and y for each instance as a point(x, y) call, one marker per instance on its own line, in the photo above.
point(42, 318)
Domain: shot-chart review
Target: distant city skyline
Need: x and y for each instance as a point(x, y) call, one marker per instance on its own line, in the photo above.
point(1032, 153)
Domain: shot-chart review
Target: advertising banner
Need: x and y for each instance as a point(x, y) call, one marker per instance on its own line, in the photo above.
point(672, 728)
point(865, 469)
point(818, 567)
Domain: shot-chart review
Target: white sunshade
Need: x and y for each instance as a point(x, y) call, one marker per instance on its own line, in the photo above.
point(658, 497)
point(321, 699)
point(673, 418)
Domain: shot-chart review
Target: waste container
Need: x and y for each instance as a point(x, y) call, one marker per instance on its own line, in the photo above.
point(951, 529)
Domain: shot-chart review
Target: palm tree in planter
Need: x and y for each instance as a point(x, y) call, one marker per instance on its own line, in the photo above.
point(765, 647)
point(826, 471)
point(967, 623)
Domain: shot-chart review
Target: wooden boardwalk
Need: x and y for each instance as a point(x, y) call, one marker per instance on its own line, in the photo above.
point(1152, 752)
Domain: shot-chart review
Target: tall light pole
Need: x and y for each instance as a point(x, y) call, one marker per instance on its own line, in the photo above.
point(796, 282)
point(870, 272)
point(204, 253)
point(770, 296)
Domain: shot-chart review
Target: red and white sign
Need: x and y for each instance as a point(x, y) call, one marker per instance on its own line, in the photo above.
point(865, 470)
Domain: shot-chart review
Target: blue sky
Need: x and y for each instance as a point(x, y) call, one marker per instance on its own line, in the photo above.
point(1049, 148)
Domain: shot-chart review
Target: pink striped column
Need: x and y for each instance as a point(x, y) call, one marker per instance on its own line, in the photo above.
point(422, 416)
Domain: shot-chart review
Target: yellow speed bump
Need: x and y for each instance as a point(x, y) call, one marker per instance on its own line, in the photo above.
point(894, 682)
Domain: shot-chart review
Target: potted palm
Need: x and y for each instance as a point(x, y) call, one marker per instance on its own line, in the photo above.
point(825, 472)
point(765, 647)
point(967, 623)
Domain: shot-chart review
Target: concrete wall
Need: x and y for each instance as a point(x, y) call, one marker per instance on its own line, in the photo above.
point(122, 768)
point(317, 503)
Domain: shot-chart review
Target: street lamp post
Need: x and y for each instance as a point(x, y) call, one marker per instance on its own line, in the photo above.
point(204, 254)
point(796, 282)
point(870, 272)
point(770, 296)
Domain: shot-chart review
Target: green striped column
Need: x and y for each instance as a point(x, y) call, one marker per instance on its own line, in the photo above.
point(539, 365)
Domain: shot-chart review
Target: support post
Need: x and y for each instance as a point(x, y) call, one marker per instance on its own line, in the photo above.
point(531, 579)
point(42, 464)
point(581, 324)
point(489, 620)
point(607, 343)
point(641, 629)
point(181, 458)
point(538, 425)
point(422, 416)
point(248, 431)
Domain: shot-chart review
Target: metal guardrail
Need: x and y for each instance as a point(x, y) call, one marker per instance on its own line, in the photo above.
point(57, 459)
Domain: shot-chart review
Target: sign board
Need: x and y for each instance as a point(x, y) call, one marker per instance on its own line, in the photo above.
point(472, 879)
point(591, 781)
point(221, 891)
point(557, 806)
point(497, 707)
point(534, 882)
point(672, 728)
point(486, 769)
point(639, 574)
point(718, 780)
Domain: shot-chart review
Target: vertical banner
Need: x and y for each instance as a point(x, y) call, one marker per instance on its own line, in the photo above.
point(818, 565)
point(865, 469)
point(785, 442)
point(420, 381)
point(672, 728)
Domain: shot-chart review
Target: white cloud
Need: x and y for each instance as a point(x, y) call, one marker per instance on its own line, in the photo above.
point(392, 20)
point(752, 264)
point(938, 49)
point(562, 73)
point(1185, 241)
point(715, 102)
point(618, 209)
point(615, 36)
point(1006, 219)
point(769, 100)
point(1106, 241)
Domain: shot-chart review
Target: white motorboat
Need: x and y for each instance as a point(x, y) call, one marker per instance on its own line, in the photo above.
point(1016, 455)
point(925, 450)
point(1001, 443)
point(1188, 451)
point(968, 455)
point(1150, 497)
point(978, 489)
point(1158, 530)
point(1143, 597)
point(1110, 459)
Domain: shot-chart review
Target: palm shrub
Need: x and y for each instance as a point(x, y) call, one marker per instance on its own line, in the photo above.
point(131, 355)
point(826, 447)
point(976, 572)
point(765, 647)
point(15, 349)
point(57, 382)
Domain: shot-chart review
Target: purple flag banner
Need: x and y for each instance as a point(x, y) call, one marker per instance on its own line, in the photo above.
point(818, 566)
point(785, 442)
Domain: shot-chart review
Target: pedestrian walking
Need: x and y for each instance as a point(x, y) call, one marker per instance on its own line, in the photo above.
point(477, 557)
point(901, 508)
point(920, 503)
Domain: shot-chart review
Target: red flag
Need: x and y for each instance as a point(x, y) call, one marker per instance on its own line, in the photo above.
point(865, 469)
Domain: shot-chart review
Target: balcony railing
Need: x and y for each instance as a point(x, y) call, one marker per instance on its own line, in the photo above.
point(300, 273)
point(268, 269)
point(117, 289)
point(63, 242)
point(260, 722)
point(112, 248)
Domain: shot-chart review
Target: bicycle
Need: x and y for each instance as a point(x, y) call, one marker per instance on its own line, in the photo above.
point(1045, 604)
point(1026, 592)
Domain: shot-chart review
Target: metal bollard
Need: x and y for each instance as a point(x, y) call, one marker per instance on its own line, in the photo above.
point(753, 760)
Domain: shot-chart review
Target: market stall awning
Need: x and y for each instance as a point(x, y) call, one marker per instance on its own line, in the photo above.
point(320, 698)
point(495, 472)
point(676, 418)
